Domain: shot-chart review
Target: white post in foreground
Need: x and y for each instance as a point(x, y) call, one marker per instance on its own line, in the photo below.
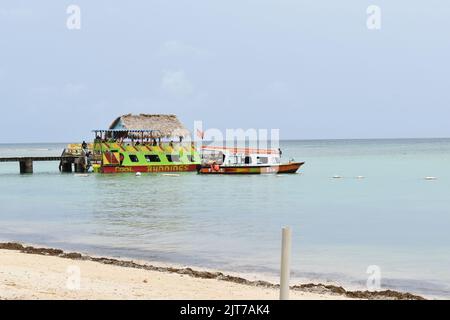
point(285, 263)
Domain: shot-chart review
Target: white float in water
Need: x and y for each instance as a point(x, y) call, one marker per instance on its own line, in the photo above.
point(430, 178)
point(337, 177)
point(138, 174)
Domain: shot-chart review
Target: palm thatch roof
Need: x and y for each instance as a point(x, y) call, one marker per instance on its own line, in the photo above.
point(164, 125)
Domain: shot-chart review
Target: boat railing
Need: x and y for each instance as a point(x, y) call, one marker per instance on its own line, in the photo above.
point(167, 147)
point(74, 149)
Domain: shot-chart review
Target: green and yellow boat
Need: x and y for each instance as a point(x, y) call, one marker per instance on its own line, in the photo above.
point(116, 156)
point(123, 148)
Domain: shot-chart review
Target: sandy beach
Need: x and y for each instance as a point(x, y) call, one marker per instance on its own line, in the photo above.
point(41, 273)
point(29, 276)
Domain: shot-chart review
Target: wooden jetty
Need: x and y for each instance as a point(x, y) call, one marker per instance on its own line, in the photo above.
point(66, 162)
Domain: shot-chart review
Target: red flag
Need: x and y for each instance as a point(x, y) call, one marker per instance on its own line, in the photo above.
point(200, 134)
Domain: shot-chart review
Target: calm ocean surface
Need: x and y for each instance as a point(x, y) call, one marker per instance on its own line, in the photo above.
point(393, 218)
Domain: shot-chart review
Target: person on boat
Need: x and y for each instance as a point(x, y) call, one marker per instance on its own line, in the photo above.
point(87, 159)
point(280, 152)
point(84, 146)
point(171, 143)
point(215, 166)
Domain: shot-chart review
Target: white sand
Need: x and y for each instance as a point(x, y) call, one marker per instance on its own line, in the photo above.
point(30, 276)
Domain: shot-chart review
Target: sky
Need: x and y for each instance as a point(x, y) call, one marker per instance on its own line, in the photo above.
point(311, 68)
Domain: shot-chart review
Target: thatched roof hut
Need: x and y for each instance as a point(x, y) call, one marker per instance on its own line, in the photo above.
point(164, 125)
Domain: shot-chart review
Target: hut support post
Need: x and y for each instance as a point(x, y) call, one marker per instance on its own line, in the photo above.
point(285, 263)
point(66, 167)
point(80, 165)
point(26, 166)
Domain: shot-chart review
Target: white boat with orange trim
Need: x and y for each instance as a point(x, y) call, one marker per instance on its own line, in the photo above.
point(225, 160)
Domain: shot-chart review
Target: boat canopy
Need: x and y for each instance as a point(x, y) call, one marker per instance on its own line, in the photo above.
point(235, 150)
point(127, 132)
point(164, 125)
point(123, 130)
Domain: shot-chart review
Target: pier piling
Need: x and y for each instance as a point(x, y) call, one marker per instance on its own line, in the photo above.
point(66, 167)
point(285, 263)
point(26, 166)
point(79, 168)
point(79, 165)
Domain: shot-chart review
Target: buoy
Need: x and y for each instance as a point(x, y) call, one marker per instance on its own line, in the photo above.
point(138, 174)
point(430, 178)
point(337, 177)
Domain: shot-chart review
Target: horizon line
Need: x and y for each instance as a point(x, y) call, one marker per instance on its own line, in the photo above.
point(288, 139)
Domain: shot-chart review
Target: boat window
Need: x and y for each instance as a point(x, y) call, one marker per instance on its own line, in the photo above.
point(263, 160)
point(209, 156)
point(134, 158)
point(236, 160)
point(152, 158)
point(248, 160)
point(173, 158)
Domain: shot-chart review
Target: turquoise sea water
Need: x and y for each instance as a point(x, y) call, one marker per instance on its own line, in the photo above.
point(393, 218)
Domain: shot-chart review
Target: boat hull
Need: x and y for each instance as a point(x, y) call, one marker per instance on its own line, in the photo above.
point(151, 169)
point(278, 169)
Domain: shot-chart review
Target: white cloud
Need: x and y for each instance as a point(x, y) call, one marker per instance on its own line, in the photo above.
point(177, 48)
point(176, 83)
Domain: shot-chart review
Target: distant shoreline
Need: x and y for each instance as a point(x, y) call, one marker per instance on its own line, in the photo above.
point(307, 291)
point(288, 140)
